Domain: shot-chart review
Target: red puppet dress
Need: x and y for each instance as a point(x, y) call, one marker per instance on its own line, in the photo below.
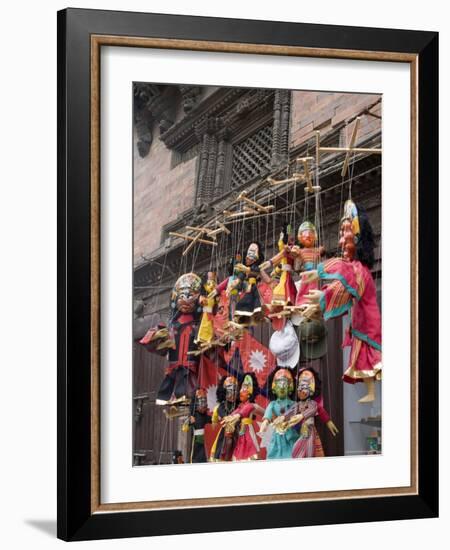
point(351, 288)
point(247, 447)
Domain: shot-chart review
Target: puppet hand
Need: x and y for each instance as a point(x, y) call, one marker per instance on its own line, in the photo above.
point(263, 427)
point(265, 265)
point(310, 276)
point(313, 296)
point(312, 311)
point(295, 251)
point(332, 427)
point(213, 293)
point(242, 268)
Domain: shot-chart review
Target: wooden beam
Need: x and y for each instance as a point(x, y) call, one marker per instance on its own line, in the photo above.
point(259, 207)
point(347, 149)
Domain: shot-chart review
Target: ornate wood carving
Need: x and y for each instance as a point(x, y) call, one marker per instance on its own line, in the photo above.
point(190, 97)
point(281, 119)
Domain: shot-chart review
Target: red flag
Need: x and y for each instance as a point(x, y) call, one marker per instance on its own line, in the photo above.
point(256, 357)
point(210, 372)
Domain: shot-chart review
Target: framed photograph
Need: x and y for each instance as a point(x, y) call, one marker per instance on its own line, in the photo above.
point(247, 277)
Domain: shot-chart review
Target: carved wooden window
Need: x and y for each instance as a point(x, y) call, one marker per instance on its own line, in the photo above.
point(252, 156)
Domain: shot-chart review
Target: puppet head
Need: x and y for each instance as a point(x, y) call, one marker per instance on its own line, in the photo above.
point(211, 282)
point(282, 383)
point(356, 235)
point(201, 403)
point(254, 254)
point(307, 235)
point(249, 388)
point(230, 385)
point(186, 292)
point(308, 384)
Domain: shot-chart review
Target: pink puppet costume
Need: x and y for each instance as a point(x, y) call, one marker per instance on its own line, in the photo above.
point(350, 288)
point(247, 446)
point(303, 413)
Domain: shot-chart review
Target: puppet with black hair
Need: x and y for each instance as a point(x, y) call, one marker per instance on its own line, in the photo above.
point(350, 288)
point(249, 308)
point(282, 438)
point(196, 422)
point(247, 446)
point(227, 399)
point(180, 379)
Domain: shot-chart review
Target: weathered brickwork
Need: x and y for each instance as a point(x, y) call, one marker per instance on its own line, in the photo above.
point(313, 111)
point(160, 195)
point(163, 190)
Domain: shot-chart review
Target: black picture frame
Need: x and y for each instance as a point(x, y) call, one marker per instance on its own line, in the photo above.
point(76, 521)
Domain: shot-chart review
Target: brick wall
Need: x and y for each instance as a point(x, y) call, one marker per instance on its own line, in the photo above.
point(160, 194)
point(313, 111)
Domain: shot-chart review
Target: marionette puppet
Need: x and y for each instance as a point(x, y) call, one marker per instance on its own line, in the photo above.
point(266, 287)
point(307, 257)
point(249, 308)
point(350, 288)
point(225, 441)
point(302, 414)
point(281, 389)
point(284, 292)
point(180, 379)
point(247, 446)
point(196, 422)
point(205, 333)
point(226, 295)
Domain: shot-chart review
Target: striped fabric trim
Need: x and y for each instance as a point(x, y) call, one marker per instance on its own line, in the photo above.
point(337, 276)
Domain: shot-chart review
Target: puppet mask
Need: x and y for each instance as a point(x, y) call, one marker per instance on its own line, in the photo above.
point(230, 386)
point(246, 389)
point(350, 230)
point(282, 384)
point(187, 291)
point(307, 234)
point(347, 240)
point(201, 403)
point(306, 385)
point(252, 254)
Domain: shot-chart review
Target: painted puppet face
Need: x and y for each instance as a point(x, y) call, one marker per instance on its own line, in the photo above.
point(246, 389)
point(187, 291)
point(347, 240)
point(282, 384)
point(307, 238)
point(201, 403)
point(231, 388)
point(252, 254)
point(306, 385)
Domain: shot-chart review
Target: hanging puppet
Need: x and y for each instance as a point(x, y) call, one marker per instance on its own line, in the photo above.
point(307, 256)
point(284, 292)
point(281, 388)
point(303, 413)
point(206, 330)
point(196, 422)
point(350, 288)
point(249, 308)
point(225, 441)
point(247, 446)
point(180, 380)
